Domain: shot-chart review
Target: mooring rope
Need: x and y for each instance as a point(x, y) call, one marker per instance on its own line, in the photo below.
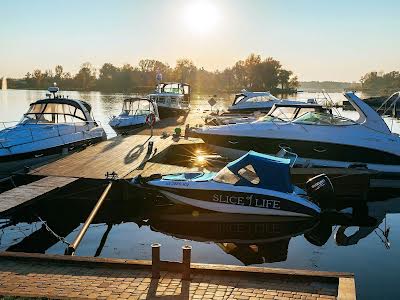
point(60, 238)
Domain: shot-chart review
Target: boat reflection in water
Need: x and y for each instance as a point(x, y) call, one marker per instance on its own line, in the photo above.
point(250, 239)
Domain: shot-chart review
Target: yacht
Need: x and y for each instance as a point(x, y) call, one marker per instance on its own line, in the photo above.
point(136, 112)
point(318, 138)
point(172, 98)
point(51, 127)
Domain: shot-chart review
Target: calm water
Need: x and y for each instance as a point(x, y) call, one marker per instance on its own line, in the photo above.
point(127, 230)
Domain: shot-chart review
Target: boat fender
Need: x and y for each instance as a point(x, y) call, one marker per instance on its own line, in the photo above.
point(321, 192)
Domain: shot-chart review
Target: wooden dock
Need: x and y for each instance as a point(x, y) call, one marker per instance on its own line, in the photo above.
point(66, 277)
point(25, 194)
point(122, 155)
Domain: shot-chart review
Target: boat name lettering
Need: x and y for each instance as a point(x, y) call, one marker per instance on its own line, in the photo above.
point(177, 183)
point(247, 201)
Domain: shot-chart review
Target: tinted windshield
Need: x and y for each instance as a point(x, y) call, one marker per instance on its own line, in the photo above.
point(314, 118)
point(53, 113)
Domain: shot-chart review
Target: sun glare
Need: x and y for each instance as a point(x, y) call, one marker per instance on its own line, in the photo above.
point(201, 16)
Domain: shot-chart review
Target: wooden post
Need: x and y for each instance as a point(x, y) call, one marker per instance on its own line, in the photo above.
point(155, 260)
point(186, 257)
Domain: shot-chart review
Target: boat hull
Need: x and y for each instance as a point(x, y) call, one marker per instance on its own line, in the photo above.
point(21, 161)
point(322, 154)
point(167, 112)
point(128, 128)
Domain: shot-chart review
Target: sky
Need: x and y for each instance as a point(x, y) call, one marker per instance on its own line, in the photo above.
point(320, 40)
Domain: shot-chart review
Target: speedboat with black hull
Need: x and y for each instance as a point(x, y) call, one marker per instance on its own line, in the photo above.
point(51, 127)
point(136, 112)
point(172, 98)
point(318, 138)
point(255, 184)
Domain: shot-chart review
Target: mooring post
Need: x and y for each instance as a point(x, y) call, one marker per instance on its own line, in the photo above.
point(186, 257)
point(187, 129)
point(155, 260)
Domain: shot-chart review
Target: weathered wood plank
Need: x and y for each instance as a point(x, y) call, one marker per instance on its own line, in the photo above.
point(26, 193)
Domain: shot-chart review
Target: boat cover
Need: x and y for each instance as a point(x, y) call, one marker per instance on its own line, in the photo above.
point(273, 172)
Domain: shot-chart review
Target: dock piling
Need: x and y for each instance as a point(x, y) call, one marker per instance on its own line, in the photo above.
point(186, 258)
point(72, 247)
point(155, 260)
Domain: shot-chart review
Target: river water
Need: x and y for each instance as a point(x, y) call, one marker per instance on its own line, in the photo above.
point(356, 245)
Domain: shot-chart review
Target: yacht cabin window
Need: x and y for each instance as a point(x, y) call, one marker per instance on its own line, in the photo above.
point(137, 107)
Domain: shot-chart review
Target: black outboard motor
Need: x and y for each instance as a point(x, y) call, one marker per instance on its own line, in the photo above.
point(321, 192)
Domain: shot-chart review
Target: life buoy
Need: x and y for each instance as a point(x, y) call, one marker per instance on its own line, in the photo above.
point(151, 119)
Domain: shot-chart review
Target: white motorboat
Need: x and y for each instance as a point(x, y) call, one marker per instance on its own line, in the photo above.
point(172, 98)
point(51, 126)
point(318, 138)
point(136, 112)
point(254, 184)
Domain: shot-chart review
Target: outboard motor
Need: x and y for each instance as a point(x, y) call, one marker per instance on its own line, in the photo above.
point(321, 192)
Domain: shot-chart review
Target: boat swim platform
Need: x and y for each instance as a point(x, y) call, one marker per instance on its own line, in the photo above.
point(74, 277)
point(25, 194)
point(121, 154)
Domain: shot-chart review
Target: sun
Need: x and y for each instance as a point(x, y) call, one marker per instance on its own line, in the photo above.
point(201, 16)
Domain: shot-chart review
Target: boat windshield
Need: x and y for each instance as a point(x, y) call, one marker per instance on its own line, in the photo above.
point(251, 99)
point(226, 176)
point(137, 107)
point(246, 173)
point(288, 113)
point(316, 118)
point(53, 113)
point(175, 88)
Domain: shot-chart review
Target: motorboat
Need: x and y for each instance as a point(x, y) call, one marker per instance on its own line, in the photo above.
point(172, 98)
point(254, 184)
point(136, 112)
point(280, 111)
point(51, 127)
point(320, 139)
point(248, 102)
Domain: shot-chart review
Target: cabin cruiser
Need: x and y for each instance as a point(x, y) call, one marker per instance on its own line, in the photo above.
point(254, 184)
point(318, 138)
point(51, 126)
point(172, 98)
point(248, 102)
point(279, 111)
point(136, 112)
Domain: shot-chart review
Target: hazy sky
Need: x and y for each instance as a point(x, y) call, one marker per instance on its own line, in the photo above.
point(317, 39)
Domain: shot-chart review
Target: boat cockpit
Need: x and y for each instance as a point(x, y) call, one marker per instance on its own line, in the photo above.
point(318, 118)
point(289, 112)
point(138, 107)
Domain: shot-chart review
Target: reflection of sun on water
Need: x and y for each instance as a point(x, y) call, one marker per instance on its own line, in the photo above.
point(201, 16)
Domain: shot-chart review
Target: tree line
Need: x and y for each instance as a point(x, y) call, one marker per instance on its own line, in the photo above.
point(381, 83)
point(253, 73)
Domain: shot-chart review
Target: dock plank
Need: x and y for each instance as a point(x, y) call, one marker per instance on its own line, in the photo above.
point(122, 154)
point(24, 194)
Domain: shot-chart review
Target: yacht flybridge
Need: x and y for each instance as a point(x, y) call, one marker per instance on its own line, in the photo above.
point(172, 98)
point(50, 127)
point(318, 138)
point(136, 112)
